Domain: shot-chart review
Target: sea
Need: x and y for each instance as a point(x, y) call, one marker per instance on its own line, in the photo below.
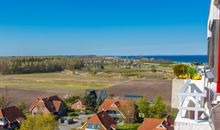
point(172, 58)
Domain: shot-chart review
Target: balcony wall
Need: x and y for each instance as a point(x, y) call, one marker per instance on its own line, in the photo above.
point(176, 86)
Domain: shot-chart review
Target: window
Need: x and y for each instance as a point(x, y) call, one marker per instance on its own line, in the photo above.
point(113, 105)
point(97, 126)
point(161, 126)
point(91, 126)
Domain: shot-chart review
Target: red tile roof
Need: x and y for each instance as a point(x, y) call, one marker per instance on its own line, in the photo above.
point(13, 114)
point(153, 124)
point(52, 103)
point(112, 104)
point(104, 119)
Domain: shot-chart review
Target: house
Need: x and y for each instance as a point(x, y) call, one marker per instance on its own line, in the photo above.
point(157, 124)
point(114, 108)
point(48, 105)
point(100, 121)
point(11, 117)
point(78, 105)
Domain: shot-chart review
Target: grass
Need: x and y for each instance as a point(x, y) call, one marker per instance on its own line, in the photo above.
point(62, 82)
point(68, 81)
point(144, 73)
point(128, 127)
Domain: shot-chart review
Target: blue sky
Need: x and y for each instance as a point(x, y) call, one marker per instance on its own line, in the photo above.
point(103, 27)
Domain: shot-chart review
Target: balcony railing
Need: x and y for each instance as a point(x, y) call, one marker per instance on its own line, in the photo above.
point(191, 98)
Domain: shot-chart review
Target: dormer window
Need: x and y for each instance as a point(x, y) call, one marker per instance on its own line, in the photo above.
point(113, 105)
point(161, 127)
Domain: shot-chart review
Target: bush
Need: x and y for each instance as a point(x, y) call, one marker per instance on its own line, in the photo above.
point(22, 106)
point(153, 70)
point(72, 114)
point(82, 123)
point(180, 69)
point(39, 122)
point(191, 71)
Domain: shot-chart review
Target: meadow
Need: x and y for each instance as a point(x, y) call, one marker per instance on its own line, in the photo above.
point(118, 81)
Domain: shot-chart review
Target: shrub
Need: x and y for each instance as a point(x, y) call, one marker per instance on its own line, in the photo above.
point(153, 70)
point(191, 71)
point(82, 123)
point(22, 106)
point(74, 113)
point(39, 122)
point(180, 69)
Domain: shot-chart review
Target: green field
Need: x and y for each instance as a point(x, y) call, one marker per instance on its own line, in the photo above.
point(77, 82)
point(64, 81)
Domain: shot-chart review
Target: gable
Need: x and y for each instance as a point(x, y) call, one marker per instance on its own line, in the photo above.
point(114, 105)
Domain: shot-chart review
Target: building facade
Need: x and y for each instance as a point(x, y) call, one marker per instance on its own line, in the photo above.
point(199, 101)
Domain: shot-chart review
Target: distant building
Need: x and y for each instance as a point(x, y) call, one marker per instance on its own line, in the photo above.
point(113, 108)
point(78, 105)
point(48, 105)
point(100, 121)
point(157, 124)
point(11, 117)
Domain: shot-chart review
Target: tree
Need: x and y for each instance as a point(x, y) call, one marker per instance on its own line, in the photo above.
point(39, 122)
point(90, 102)
point(70, 100)
point(4, 102)
point(143, 106)
point(22, 106)
point(157, 109)
point(4, 99)
point(129, 111)
point(111, 95)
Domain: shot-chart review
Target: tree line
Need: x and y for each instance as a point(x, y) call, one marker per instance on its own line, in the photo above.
point(24, 65)
point(46, 64)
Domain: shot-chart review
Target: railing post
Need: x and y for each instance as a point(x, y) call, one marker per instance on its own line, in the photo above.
point(196, 108)
point(180, 105)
